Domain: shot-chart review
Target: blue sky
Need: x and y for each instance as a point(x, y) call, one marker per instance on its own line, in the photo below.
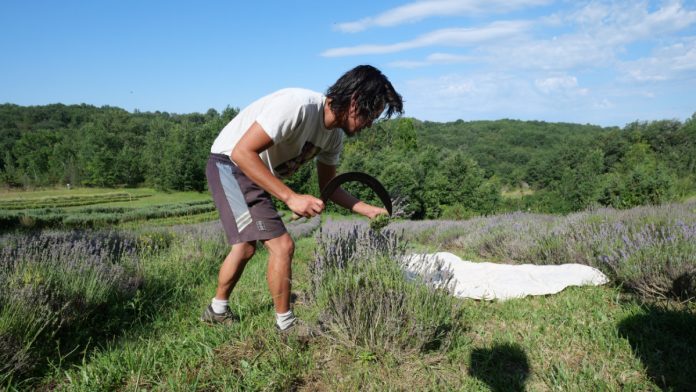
point(599, 62)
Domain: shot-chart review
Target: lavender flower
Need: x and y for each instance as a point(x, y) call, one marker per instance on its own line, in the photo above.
point(54, 281)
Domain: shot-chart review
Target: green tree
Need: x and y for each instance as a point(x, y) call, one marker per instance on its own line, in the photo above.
point(36, 159)
point(639, 179)
point(580, 182)
point(9, 173)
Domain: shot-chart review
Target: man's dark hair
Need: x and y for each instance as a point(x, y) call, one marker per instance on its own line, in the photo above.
point(371, 89)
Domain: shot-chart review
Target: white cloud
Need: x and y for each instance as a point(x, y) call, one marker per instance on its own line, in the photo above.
point(671, 18)
point(558, 53)
point(454, 96)
point(563, 83)
point(666, 63)
point(420, 10)
point(602, 61)
point(496, 95)
point(604, 104)
point(620, 23)
point(593, 14)
point(599, 36)
point(448, 58)
point(434, 58)
point(409, 64)
point(445, 37)
point(630, 20)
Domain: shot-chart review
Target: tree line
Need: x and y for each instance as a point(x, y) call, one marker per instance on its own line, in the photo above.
point(105, 147)
point(572, 166)
point(455, 169)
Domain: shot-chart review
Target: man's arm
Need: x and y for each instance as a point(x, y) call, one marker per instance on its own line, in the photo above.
point(246, 156)
point(344, 199)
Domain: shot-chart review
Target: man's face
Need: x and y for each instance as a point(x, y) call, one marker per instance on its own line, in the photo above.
point(355, 122)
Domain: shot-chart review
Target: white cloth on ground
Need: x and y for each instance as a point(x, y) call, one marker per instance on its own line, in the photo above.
point(490, 281)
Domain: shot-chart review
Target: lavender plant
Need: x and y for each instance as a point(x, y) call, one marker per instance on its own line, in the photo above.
point(303, 227)
point(53, 284)
point(93, 217)
point(649, 250)
point(367, 299)
point(298, 229)
point(341, 243)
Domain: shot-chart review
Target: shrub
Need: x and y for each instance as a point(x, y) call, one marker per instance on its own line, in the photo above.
point(59, 286)
point(154, 241)
point(303, 227)
point(368, 300)
point(656, 261)
point(456, 212)
point(648, 250)
point(639, 180)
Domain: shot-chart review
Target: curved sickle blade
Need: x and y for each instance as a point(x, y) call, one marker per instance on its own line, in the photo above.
point(363, 178)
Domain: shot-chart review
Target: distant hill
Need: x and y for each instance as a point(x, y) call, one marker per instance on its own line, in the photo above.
point(571, 165)
point(506, 147)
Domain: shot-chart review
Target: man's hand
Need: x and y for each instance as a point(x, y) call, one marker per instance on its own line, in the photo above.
point(305, 205)
point(344, 199)
point(369, 211)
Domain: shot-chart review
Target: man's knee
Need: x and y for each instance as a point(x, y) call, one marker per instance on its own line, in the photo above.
point(281, 245)
point(245, 250)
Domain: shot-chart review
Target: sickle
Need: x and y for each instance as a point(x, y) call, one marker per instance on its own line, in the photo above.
point(363, 178)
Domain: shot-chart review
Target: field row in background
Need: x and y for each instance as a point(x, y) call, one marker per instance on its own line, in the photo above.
point(89, 207)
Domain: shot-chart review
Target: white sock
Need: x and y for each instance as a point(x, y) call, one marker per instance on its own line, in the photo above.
point(285, 320)
point(219, 305)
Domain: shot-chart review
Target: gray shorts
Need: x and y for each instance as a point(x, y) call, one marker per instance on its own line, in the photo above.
point(246, 210)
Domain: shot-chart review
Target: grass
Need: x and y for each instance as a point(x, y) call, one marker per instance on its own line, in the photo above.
point(66, 203)
point(107, 216)
point(516, 193)
point(179, 220)
point(159, 197)
point(538, 344)
point(62, 192)
point(143, 197)
point(590, 338)
point(172, 350)
point(649, 250)
point(584, 338)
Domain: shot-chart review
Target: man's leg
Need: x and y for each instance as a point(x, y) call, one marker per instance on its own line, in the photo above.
point(231, 270)
point(279, 274)
point(233, 267)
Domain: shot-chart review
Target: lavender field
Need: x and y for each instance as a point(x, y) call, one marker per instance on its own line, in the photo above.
point(648, 250)
point(117, 309)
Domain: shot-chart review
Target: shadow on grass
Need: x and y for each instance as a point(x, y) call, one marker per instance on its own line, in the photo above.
point(504, 367)
point(665, 341)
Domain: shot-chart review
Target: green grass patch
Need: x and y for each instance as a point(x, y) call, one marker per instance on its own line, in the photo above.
point(67, 201)
point(130, 197)
point(64, 192)
point(517, 193)
point(178, 220)
point(99, 217)
point(584, 338)
point(159, 197)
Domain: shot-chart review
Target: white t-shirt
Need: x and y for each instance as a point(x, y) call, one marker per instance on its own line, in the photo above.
point(294, 119)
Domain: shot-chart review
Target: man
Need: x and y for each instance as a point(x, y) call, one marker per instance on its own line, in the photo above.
point(268, 141)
